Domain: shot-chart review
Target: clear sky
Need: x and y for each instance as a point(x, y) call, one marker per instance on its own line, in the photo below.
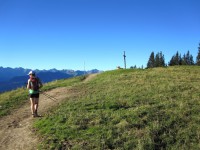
point(66, 34)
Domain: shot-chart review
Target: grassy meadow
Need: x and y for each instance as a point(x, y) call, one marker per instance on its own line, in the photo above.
point(128, 109)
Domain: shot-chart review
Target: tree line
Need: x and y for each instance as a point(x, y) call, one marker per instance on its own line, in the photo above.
point(158, 60)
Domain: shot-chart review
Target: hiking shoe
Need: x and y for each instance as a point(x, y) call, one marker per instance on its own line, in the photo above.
point(38, 115)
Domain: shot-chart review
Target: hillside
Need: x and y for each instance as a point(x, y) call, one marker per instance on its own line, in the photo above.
point(125, 109)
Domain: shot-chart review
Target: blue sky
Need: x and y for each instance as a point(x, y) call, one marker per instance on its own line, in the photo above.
point(63, 34)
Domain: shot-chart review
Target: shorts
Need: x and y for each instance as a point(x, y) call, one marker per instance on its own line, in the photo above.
point(34, 95)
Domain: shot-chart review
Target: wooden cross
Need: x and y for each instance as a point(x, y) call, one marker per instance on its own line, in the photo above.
point(124, 60)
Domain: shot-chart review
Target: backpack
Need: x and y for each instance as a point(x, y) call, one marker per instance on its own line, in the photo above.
point(34, 83)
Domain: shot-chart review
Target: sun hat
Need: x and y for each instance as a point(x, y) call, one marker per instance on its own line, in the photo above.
point(31, 72)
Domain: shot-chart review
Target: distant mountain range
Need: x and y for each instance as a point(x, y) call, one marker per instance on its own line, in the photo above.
point(12, 78)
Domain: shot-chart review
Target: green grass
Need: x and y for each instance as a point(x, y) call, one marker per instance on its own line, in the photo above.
point(129, 109)
point(11, 100)
point(16, 98)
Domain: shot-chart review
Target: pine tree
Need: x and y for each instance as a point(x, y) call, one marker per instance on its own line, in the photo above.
point(184, 60)
point(157, 60)
point(176, 59)
point(187, 59)
point(191, 60)
point(172, 61)
point(161, 60)
point(151, 62)
point(179, 60)
point(133, 67)
point(198, 56)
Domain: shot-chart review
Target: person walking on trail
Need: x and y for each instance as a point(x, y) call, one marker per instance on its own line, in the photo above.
point(34, 84)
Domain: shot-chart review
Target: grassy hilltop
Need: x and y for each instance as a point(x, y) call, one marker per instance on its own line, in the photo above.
point(127, 109)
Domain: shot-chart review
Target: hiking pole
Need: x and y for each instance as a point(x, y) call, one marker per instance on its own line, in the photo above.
point(49, 96)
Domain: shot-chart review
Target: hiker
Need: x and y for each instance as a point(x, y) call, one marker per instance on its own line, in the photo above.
point(34, 84)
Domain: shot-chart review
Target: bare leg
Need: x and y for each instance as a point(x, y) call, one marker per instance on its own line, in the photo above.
point(32, 100)
point(36, 104)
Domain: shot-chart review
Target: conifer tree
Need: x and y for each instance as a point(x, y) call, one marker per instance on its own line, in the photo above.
point(157, 60)
point(161, 60)
point(184, 60)
point(187, 59)
point(176, 59)
point(151, 61)
point(172, 61)
point(179, 60)
point(191, 60)
point(198, 56)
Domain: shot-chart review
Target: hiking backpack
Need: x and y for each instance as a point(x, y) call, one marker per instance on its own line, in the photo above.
point(34, 83)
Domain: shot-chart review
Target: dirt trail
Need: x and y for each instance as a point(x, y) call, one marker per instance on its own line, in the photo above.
point(16, 132)
point(90, 77)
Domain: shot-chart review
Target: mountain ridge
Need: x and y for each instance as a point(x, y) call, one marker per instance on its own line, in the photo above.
point(12, 78)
